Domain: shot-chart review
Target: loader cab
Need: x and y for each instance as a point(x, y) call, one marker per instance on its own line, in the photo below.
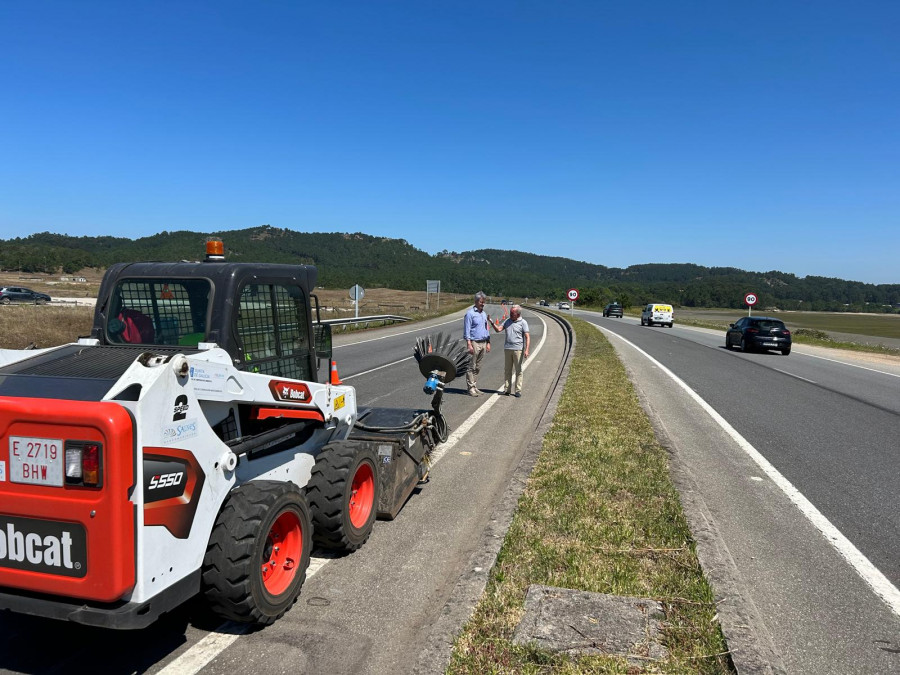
point(272, 330)
point(263, 315)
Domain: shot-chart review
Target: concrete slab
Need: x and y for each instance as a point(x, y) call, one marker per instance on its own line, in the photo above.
point(579, 622)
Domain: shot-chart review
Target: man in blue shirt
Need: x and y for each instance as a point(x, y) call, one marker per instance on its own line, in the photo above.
point(478, 340)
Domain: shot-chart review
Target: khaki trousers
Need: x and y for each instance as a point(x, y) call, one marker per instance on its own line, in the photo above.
point(479, 349)
point(512, 361)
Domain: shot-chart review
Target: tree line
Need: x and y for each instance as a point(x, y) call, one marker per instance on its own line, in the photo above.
point(345, 259)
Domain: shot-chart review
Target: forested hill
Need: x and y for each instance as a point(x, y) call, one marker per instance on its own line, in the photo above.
point(347, 259)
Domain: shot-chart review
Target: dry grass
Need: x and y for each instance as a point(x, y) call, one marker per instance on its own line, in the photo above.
point(388, 301)
point(43, 325)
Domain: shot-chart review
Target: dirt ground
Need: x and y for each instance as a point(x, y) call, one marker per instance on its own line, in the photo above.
point(53, 285)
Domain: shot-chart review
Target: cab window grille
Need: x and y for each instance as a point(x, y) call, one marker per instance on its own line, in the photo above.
point(273, 330)
point(159, 311)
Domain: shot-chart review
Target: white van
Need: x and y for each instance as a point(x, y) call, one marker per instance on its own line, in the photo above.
point(656, 313)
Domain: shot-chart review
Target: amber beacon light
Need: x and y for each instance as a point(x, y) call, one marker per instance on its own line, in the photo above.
point(215, 250)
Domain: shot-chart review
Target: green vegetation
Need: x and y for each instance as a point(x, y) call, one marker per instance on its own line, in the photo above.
point(600, 514)
point(378, 262)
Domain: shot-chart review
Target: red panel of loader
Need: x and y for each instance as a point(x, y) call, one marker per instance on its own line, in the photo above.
point(57, 536)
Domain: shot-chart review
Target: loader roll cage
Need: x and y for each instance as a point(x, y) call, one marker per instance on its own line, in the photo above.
point(261, 314)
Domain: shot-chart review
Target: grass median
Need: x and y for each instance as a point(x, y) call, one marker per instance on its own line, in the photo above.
point(599, 514)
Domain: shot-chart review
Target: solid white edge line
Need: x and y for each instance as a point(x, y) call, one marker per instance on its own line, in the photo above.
point(199, 655)
point(852, 365)
point(385, 337)
point(784, 372)
point(870, 574)
point(366, 372)
point(805, 353)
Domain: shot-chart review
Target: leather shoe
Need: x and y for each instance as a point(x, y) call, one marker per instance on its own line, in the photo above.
point(518, 394)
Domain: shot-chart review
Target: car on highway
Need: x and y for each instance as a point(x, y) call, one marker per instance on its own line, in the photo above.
point(563, 305)
point(10, 294)
point(760, 333)
point(657, 313)
point(613, 309)
point(544, 303)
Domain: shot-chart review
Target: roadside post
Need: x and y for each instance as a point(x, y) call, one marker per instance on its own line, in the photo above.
point(432, 286)
point(750, 300)
point(357, 293)
point(572, 294)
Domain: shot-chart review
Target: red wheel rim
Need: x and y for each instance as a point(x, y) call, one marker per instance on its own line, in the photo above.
point(362, 495)
point(281, 555)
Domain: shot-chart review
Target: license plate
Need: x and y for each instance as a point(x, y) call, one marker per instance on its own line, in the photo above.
point(770, 344)
point(36, 461)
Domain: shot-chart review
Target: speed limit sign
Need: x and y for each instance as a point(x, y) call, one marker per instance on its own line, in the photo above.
point(750, 299)
point(572, 294)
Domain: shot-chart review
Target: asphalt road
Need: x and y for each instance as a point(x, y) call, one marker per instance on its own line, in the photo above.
point(791, 599)
point(802, 539)
point(395, 605)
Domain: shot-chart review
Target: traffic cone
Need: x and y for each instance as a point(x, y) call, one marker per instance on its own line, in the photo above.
point(335, 378)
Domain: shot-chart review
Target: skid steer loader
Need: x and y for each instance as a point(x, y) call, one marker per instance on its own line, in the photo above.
point(199, 441)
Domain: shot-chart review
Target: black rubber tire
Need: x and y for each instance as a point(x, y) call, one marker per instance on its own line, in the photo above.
point(727, 344)
point(329, 493)
point(744, 347)
point(785, 352)
point(232, 578)
point(4, 301)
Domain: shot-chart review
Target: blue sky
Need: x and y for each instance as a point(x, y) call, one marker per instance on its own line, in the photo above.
point(759, 135)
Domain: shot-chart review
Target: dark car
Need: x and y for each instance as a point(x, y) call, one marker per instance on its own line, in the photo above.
point(613, 309)
point(759, 333)
point(10, 294)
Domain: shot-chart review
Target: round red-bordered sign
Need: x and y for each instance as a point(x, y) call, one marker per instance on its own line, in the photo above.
point(572, 294)
point(750, 299)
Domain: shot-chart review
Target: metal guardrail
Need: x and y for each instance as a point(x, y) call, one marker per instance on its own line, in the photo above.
point(384, 318)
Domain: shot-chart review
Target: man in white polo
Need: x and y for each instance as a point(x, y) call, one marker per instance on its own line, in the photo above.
point(515, 349)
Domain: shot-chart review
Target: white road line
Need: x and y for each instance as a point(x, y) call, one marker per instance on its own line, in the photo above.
point(805, 353)
point(366, 372)
point(385, 337)
point(852, 365)
point(879, 583)
point(199, 655)
point(792, 375)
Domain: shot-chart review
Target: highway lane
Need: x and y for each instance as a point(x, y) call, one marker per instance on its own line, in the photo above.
point(829, 427)
point(371, 611)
